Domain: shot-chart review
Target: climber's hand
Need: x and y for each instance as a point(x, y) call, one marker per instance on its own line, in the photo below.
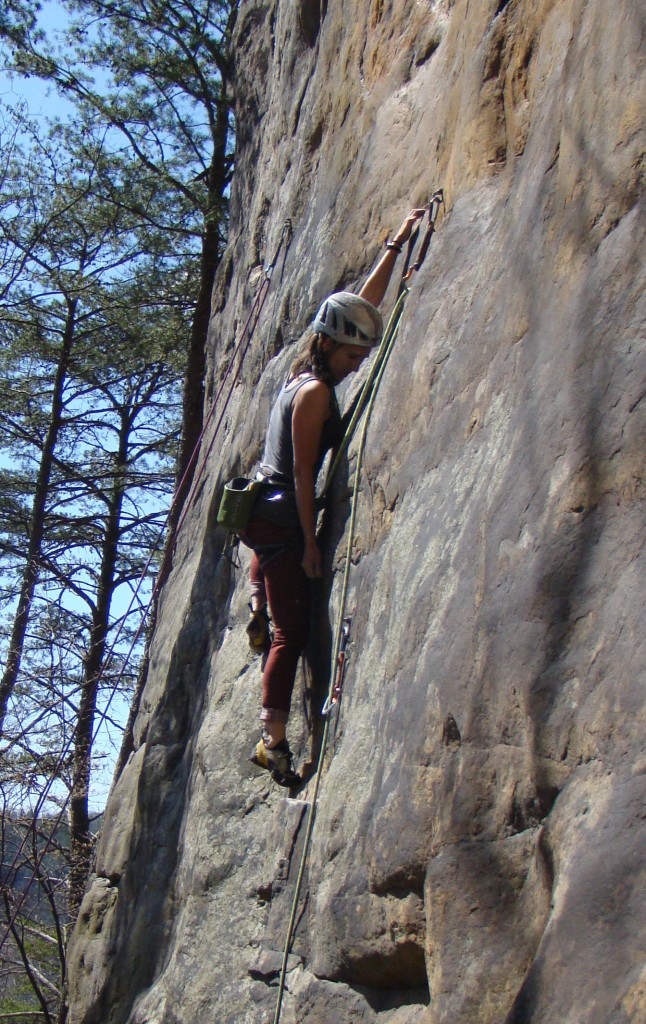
point(405, 230)
point(312, 560)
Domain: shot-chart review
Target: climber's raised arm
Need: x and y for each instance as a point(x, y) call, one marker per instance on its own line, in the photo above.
point(375, 287)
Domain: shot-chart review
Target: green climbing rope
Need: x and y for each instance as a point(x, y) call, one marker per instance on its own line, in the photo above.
point(369, 390)
point(365, 403)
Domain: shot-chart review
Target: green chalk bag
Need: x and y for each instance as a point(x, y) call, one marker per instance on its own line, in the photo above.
point(237, 503)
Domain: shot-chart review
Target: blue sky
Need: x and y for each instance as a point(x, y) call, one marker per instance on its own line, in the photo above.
point(41, 99)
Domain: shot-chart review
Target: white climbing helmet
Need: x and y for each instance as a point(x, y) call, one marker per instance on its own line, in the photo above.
point(350, 320)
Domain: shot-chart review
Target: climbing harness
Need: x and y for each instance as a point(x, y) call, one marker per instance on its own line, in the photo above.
point(365, 402)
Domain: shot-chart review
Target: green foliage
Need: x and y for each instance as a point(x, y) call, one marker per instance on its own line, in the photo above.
point(18, 20)
point(75, 267)
point(155, 76)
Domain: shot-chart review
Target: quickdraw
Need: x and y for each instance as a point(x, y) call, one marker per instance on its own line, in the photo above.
point(334, 697)
point(433, 207)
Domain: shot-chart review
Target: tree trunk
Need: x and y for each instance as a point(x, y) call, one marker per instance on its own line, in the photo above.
point(193, 399)
point(37, 521)
point(193, 396)
point(81, 841)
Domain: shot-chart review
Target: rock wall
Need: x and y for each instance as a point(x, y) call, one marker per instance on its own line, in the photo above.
point(478, 853)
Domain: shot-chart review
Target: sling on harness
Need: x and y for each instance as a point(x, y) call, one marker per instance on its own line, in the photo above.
point(366, 402)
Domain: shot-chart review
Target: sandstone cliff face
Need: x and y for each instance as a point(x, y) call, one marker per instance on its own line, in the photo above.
point(478, 853)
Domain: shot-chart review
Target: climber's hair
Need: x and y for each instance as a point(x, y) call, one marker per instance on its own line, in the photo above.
point(312, 359)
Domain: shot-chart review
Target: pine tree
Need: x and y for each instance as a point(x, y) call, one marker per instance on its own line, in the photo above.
point(160, 75)
point(89, 327)
point(113, 228)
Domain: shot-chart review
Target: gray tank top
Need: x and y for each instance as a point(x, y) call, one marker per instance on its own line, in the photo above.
point(278, 458)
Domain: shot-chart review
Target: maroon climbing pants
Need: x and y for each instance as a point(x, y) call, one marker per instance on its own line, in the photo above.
point(276, 569)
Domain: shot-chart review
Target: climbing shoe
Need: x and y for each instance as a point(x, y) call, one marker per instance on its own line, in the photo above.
point(277, 761)
point(258, 631)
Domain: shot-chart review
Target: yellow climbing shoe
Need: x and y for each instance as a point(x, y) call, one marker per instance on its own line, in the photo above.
point(258, 631)
point(277, 761)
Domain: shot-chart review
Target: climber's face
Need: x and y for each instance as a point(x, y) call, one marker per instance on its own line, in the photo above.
point(345, 359)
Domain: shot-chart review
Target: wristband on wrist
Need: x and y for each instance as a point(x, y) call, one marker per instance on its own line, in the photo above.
point(395, 246)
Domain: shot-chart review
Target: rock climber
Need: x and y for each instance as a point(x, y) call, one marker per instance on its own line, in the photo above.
point(304, 424)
